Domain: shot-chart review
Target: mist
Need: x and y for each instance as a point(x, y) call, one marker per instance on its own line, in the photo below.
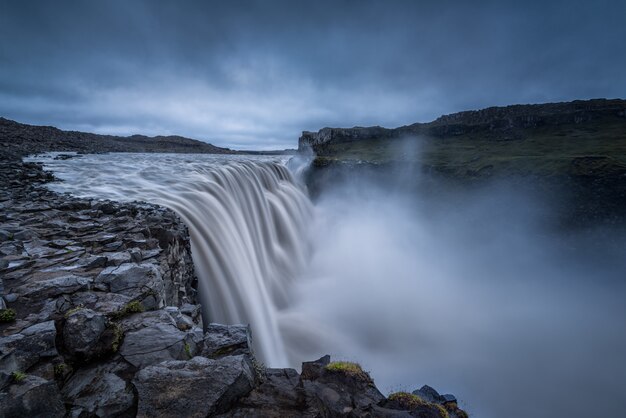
point(473, 291)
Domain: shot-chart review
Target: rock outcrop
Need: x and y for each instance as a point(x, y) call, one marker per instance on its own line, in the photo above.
point(498, 123)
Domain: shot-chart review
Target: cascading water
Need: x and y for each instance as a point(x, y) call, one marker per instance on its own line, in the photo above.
point(247, 221)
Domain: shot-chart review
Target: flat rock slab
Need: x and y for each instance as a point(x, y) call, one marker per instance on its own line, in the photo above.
point(196, 388)
point(33, 397)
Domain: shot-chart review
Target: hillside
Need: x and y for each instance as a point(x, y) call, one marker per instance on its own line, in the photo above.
point(573, 138)
point(17, 139)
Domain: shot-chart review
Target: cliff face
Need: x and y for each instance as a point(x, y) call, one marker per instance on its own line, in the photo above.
point(18, 139)
point(498, 123)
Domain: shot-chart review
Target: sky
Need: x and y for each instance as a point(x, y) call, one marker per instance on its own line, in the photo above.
point(254, 74)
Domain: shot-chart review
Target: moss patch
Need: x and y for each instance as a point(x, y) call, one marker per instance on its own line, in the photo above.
point(128, 309)
point(18, 376)
point(7, 315)
point(349, 369)
point(406, 400)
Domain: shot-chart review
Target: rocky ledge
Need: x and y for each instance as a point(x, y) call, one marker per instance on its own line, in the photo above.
point(99, 317)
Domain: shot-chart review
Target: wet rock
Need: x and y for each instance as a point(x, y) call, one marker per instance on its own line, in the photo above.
point(82, 332)
point(33, 397)
point(99, 391)
point(195, 388)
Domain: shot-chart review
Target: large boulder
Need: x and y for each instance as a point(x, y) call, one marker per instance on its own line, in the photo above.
point(132, 278)
point(19, 352)
point(33, 397)
point(278, 396)
point(153, 337)
point(226, 340)
point(99, 391)
point(82, 332)
point(196, 388)
point(338, 391)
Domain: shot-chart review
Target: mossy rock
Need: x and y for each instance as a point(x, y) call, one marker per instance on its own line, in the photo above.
point(349, 369)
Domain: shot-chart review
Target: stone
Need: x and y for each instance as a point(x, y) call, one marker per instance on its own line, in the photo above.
point(336, 393)
point(116, 259)
point(199, 387)
point(18, 352)
point(33, 397)
point(277, 396)
point(99, 391)
point(226, 340)
point(127, 277)
point(154, 337)
point(82, 332)
point(54, 287)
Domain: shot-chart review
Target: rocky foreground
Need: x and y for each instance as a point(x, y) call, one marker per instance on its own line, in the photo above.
point(99, 317)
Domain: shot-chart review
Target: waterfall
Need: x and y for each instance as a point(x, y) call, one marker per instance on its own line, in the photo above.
point(247, 225)
point(247, 219)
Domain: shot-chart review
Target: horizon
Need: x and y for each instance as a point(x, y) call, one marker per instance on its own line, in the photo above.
point(254, 75)
point(295, 147)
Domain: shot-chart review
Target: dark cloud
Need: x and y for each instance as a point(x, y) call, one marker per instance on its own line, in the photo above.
point(253, 74)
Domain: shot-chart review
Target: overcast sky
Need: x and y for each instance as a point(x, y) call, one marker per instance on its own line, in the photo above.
point(254, 74)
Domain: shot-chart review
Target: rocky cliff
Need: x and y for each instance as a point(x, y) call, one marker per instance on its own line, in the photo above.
point(498, 123)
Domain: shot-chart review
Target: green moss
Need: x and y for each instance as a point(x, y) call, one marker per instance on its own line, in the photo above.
point(18, 376)
point(349, 369)
point(406, 400)
point(73, 310)
point(11, 237)
point(129, 308)
point(118, 336)
point(60, 369)
point(7, 315)
point(188, 350)
point(134, 307)
point(442, 412)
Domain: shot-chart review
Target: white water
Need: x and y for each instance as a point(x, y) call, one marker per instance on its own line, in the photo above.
point(247, 220)
point(469, 294)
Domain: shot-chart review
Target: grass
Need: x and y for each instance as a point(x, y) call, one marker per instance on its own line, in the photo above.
point(406, 400)
point(350, 369)
point(73, 311)
point(546, 150)
point(18, 376)
point(128, 309)
point(410, 401)
point(7, 315)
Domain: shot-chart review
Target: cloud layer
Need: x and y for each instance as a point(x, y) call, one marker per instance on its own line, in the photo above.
point(253, 74)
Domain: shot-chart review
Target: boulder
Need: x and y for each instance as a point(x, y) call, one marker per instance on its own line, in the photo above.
point(278, 396)
point(196, 388)
point(99, 391)
point(19, 352)
point(82, 332)
point(153, 337)
point(132, 279)
point(226, 340)
point(33, 397)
